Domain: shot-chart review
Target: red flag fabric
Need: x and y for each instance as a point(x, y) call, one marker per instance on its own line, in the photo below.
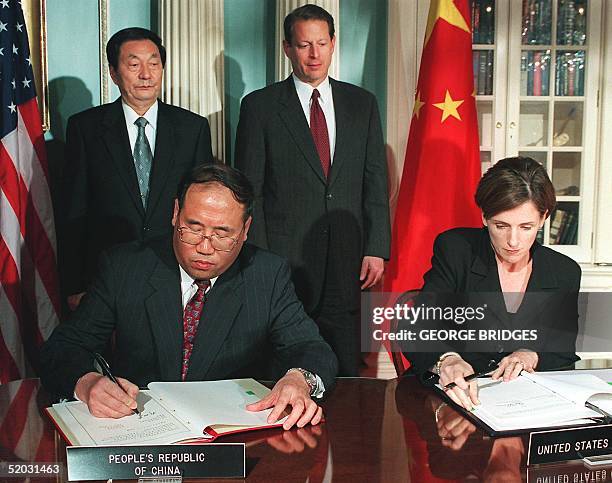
point(442, 163)
point(29, 297)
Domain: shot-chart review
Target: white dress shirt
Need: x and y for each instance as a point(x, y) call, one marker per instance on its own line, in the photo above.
point(150, 129)
point(189, 287)
point(326, 101)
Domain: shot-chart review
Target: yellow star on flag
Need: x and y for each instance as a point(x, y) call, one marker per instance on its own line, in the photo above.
point(418, 103)
point(446, 10)
point(449, 107)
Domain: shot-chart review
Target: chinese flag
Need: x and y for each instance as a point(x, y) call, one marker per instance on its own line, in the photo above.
point(442, 164)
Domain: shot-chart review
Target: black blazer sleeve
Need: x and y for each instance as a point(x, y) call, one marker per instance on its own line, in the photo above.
point(294, 336)
point(67, 355)
point(203, 150)
point(558, 350)
point(250, 158)
point(448, 263)
point(377, 226)
point(72, 222)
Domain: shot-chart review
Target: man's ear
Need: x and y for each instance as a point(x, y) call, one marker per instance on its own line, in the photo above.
point(286, 47)
point(484, 220)
point(247, 225)
point(176, 212)
point(113, 74)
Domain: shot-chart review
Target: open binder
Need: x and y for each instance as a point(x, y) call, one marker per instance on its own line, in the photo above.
point(170, 412)
point(536, 401)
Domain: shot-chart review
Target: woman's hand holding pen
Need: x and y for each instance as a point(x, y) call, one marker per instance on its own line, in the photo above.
point(455, 369)
point(513, 364)
point(104, 398)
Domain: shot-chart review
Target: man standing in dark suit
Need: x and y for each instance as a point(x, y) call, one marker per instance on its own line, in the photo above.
point(313, 149)
point(124, 161)
point(202, 306)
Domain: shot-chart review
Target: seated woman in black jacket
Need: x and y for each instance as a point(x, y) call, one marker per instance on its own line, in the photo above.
point(529, 286)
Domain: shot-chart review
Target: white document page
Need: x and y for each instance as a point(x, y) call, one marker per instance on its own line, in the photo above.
point(200, 404)
point(522, 403)
point(542, 400)
point(576, 387)
point(155, 425)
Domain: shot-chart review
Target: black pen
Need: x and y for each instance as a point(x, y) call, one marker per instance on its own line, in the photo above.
point(487, 371)
point(107, 372)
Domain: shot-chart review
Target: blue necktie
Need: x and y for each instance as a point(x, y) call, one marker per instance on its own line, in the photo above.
point(143, 159)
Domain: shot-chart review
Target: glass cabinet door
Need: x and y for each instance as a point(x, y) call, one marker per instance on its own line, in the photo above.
point(551, 98)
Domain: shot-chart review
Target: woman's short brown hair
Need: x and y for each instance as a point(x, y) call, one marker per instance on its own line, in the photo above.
point(514, 181)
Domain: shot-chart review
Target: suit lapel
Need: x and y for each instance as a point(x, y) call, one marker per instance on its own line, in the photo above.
point(344, 129)
point(293, 117)
point(163, 159)
point(542, 285)
point(164, 309)
point(115, 136)
point(222, 305)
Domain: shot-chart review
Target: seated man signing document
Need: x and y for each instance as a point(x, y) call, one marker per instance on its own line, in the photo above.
point(200, 306)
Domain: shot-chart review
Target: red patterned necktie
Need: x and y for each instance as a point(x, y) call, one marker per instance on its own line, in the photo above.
point(318, 128)
point(191, 318)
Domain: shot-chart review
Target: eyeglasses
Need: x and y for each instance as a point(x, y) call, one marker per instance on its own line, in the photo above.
point(217, 242)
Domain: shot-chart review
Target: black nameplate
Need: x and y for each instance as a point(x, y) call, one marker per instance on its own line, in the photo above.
point(212, 460)
point(569, 444)
point(576, 472)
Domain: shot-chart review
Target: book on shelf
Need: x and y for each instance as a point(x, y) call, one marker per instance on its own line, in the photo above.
point(569, 77)
point(539, 400)
point(524, 74)
point(580, 29)
point(482, 72)
point(537, 74)
point(536, 21)
point(475, 21)
point(483, 21)
point(555, 225)
point(489, 76)
point(564, 227)
point(530, 69)
point(569, 233)
point(566, 22)
point(170, 412)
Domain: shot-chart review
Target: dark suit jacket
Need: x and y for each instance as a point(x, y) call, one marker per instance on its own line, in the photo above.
point(464, 263)
point(252, 324)
point(101, 199)
point(300, 215)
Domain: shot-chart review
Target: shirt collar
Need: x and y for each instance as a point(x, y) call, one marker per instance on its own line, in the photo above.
point(131, 115)
point(187, 281)
point(304, 90)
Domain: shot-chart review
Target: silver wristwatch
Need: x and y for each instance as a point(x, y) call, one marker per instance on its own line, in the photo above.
point(309, 377)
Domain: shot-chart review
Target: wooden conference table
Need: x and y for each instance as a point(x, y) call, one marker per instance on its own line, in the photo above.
point(376, 431)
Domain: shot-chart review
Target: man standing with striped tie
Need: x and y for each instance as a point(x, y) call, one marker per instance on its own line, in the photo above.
point(313, 149)
point(124, 161)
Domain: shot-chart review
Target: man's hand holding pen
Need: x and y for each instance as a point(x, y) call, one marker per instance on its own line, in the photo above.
point(104, 398)
point(107, 396)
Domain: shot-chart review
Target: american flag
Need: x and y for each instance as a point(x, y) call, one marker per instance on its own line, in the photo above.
point(29, 296)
